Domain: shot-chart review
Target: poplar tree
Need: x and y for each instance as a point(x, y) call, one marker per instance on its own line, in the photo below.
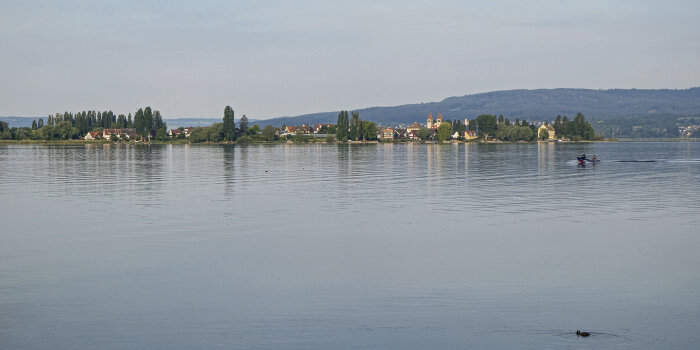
point(229, 128)
point(243, 125)
point(341, 132)
point(355, 126)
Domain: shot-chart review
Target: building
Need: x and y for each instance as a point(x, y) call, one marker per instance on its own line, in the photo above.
point(413, 135)
point(413, 127)
point(550, 131)
point(434, 124)
point(387, 134)
point(127, 133)
point(470, 134)
point(319, 127)
point(93, 135)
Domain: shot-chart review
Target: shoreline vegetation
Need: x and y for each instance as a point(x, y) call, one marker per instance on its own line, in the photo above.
point(147, 126)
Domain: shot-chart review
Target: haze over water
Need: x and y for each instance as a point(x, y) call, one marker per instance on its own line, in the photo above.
point(349, 246)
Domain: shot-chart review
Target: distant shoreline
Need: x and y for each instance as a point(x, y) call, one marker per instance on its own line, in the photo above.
point(318, 141)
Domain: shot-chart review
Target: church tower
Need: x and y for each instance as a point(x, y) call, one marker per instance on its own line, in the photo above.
point(430, 120)
point(439, 120)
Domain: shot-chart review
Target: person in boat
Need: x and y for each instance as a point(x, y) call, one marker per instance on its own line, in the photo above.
point(594, 158)
point(583, 156)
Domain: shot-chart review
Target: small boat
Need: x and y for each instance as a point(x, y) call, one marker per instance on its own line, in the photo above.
point(583, 160)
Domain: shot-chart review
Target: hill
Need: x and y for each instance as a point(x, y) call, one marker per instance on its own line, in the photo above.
point(534, 105)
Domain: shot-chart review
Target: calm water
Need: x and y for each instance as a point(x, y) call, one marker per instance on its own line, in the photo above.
point(349, 247)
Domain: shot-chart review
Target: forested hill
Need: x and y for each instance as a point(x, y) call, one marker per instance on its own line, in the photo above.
point(541, 104)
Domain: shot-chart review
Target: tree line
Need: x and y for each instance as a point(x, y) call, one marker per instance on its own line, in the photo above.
point(68, 126)
point(354, 129)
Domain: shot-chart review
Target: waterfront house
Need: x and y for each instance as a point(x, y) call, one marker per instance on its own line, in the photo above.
point(413, 135)
point(550, 131)
point(93, 135)
point(386, 134)
point(455, 135)
point(413, 127)
point(321, 127)
point(470, 134)
point(174, 133)
point(127, 133)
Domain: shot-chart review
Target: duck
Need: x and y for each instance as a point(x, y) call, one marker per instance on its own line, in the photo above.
point(582, 334)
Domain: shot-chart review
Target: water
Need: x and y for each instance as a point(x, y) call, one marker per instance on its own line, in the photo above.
point(347, 247)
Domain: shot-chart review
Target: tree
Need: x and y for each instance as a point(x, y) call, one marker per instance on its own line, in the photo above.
point(342, 126)
point(424, 133)
point(369, 130)
point(355, 126)
point(40, 123)
point(486, 124)
point(160, 134)
point(269, 133)
point(544, 134)
point(147, 121)
point(34, 125)
point(444, 131)
point(138, 122)
point(500, 119)
point(158, 121)
point(254, 130)
point(229, 126)
point(243, 125)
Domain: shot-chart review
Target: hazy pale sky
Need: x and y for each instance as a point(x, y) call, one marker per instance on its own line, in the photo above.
point(279, 58)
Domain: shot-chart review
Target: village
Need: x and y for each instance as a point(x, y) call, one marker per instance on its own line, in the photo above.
point(545, 131)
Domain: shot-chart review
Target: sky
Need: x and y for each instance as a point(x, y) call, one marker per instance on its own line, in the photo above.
point(269, 58)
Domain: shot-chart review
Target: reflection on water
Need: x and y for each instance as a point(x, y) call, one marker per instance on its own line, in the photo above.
point(349, 246)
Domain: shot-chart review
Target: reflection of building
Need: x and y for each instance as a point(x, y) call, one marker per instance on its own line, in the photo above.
point(550, 131)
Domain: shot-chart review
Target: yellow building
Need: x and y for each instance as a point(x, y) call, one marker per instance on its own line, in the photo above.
point(550, 131)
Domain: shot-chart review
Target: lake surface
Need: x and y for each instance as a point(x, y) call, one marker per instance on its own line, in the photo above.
point(346, 247)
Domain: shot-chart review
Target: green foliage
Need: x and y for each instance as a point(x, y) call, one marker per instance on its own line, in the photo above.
point(330, 138)
point(578, 129)
point(342, 126)
point(243, 125)
point(269, 133)
point(355, 127)
point(486, 124)
point(368, 130)
point(544, 134)
point(424, 134)
point(244, 139)
point(514, 133)
point(444, 131)
point(161, 134)
point(229, 125)
point(254, 130)
point(645, 127)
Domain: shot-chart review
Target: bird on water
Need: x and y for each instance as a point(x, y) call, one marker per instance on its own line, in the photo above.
point(582, 334)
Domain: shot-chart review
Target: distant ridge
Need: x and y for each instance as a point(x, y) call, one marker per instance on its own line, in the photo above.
point(532, 105)
point(540, 104)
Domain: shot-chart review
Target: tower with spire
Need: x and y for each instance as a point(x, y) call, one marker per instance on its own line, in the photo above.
point(430, 120)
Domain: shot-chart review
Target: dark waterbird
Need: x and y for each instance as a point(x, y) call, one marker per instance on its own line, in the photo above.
point(582, 334)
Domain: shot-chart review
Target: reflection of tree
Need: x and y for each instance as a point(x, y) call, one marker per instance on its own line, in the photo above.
point(229, 168)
